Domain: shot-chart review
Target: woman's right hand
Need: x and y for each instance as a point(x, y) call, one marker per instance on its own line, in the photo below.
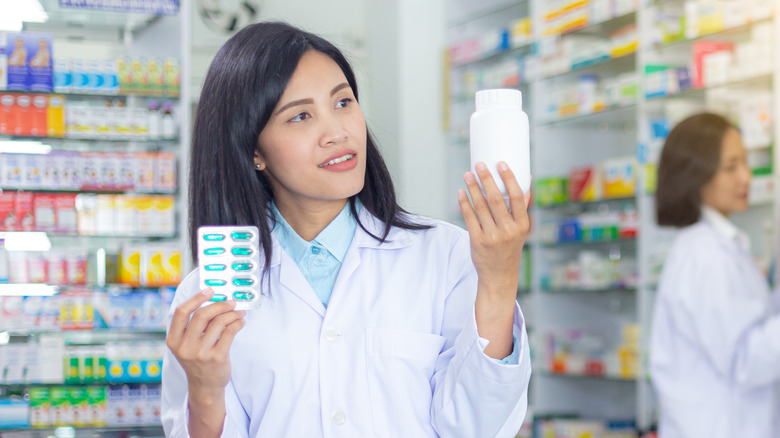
point(200, 339)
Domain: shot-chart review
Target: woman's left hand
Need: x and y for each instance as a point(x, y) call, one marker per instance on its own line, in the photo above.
point(497, 237)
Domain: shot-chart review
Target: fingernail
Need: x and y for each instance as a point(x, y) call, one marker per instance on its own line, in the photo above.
point(469, 176)
point(502, 166)
point(208, 291)
point(461, 194)
point(480, 166)
point(242, 312)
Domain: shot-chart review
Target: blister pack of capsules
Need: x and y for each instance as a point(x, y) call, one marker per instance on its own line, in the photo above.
point(229, 263)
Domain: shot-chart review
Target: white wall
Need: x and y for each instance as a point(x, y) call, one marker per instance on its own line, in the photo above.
point(341, 22)
point(405, 52)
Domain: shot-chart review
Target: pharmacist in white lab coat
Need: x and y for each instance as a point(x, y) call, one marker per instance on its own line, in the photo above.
point(373, 322)
point(715, 347)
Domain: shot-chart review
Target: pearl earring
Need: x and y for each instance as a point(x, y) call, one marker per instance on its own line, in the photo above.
point(257, 165)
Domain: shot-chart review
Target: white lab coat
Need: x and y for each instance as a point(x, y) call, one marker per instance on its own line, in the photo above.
point(715, 347)
point(396, 354)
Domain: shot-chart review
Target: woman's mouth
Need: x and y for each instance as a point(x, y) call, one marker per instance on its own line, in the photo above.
point(337, 160)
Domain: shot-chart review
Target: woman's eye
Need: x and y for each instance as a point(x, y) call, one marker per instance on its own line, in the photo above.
point(344, 102)
point(299, 117)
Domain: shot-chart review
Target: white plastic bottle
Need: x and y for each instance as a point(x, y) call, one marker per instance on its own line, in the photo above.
point(499, 132)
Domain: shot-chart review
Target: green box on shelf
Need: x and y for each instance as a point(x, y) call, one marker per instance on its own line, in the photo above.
point(79, 408)
point(651, 178)
point(59, 398)
point(97, 405)
point(551, 191)
point(40, 407)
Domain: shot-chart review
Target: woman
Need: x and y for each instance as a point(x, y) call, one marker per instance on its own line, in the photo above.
point(715, 347)
point(375, 322)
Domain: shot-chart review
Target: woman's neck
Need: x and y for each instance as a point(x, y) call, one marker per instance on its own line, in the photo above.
point(309, 220)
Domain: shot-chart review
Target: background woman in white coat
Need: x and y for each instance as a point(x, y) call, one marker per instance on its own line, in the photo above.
point(715, 347)
point(373, 322)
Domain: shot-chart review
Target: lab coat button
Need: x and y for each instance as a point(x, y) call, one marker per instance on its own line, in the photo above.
point(338, 418)
point(331, 334)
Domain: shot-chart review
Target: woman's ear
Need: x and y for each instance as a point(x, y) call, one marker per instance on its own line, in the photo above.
point(259, 161)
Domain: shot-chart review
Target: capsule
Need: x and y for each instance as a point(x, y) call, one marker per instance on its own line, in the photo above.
point(242, 266)
point(241, 235)
point(218, 297)
point(243, 295)
point(213, 282)
point(214, 251)
point(215, 267)
point(213, 237)
point(242, 251)
point(243, 281)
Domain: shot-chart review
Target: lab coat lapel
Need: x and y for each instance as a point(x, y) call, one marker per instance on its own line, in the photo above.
point(363, 241)
point(292, 279)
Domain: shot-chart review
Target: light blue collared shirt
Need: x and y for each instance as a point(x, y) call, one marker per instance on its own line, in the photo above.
point(320, 260)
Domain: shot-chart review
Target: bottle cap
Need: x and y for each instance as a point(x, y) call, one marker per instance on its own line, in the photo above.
point(500, 96)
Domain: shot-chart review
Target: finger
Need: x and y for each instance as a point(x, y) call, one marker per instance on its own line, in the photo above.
point(226, 339)
point(181, 316)
point(217, 325)
point(480, 204)
point(495, 198)
point(527, 196)
point(469, 216)
point(517, 202)
point(203, 316)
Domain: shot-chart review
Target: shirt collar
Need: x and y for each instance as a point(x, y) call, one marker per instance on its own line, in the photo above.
point(725, 227)
point(336, 237)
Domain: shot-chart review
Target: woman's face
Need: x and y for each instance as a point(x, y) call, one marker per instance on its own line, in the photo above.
point(728, 189)
point(313, 148)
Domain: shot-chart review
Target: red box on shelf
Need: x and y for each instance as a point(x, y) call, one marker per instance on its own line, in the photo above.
point(699, 50)
point(7, 211)
point(585, 184)
point(24, 211)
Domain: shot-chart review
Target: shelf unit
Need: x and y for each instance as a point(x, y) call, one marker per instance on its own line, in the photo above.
point(89, 33)
point(564, 138)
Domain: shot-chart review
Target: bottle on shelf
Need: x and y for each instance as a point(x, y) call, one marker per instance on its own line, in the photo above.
point(168, 123)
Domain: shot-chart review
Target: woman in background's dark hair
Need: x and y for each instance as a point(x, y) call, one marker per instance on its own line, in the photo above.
point(381, 322)
point(242, 88)
point(689, 160)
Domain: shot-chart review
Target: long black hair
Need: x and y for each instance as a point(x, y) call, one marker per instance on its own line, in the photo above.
point(244, 83)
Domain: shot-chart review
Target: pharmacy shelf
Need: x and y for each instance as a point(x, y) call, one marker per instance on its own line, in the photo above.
point(610, 65)
point(575, 376)
point(721, 34)
point(617, 114)
point(87, 191)
point(602, 28)
point(88, 139)
point(581, 290)
point(12, 386)
point(519, 51)
point(86, 95)
point(572, 204)
point(486, 12)
point(155, 430)
point(763, 81)
point(598, 243)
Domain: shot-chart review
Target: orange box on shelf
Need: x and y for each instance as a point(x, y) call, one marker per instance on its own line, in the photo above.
point(38, 115)
point(22, 115)
point(130, 265)
point(7, 105)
